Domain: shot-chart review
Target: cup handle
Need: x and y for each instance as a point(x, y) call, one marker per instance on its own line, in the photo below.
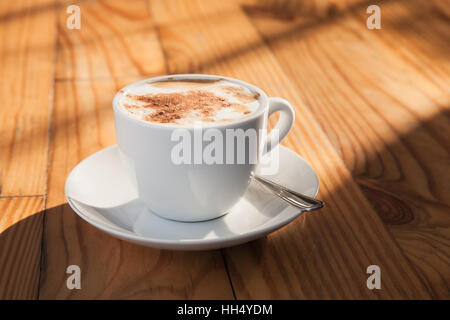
point(284, 124)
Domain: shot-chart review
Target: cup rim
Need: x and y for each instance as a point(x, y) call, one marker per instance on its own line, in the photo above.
point(257, 113)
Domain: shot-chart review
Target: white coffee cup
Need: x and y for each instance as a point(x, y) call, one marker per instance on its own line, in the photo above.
point(193, 192)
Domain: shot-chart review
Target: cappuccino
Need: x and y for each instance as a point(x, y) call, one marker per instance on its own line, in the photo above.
point(191, 142)
point(188, 102)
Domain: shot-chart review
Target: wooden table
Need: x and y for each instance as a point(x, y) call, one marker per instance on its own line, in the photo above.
point(372, 110)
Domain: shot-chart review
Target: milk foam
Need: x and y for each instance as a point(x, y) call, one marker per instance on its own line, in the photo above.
point(242, 102)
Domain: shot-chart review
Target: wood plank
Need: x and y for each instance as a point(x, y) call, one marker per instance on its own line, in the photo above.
point(320, 255)
point(20, 246)
point(28, 34)
point(110, 268)
point(116, 39)
point(383, 99)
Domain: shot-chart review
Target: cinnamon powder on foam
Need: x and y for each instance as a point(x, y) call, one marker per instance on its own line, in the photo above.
point(169, 107)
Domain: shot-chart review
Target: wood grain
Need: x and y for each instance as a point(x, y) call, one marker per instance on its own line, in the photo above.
point(26, 74)
point(82, 124)
point(391, 132)
point(20, 247)
point(372, 110)
point(116, 39)
point(323, 254)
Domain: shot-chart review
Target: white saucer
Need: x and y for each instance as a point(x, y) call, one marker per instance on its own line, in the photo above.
point(107, 200)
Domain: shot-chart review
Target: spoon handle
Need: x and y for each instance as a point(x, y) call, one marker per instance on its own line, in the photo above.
point(294, 198)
